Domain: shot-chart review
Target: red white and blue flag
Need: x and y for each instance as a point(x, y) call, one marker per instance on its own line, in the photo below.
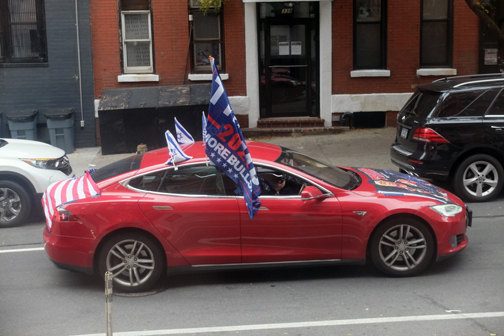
point(225, 145)
point(67, 191)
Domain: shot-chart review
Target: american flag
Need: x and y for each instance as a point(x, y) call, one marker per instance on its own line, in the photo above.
point(66, 191)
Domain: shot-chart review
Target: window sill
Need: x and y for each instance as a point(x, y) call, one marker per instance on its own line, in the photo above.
point(436, 72)
point(206, 77)
point(370, 73)
point(133, 78)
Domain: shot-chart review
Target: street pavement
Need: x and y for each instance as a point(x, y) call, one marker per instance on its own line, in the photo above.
point(352, 148)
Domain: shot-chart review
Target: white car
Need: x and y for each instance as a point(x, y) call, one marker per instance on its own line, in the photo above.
point(27, 168)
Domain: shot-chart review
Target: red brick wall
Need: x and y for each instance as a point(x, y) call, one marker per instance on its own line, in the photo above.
point(403, 48)
point(171, 42)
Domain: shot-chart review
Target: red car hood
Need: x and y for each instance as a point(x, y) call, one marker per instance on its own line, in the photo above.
point(395, 184)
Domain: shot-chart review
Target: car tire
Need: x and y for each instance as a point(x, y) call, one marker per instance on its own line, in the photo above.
point(479, 178)
point(136, 261)
point(15, 204)
point(402, 247)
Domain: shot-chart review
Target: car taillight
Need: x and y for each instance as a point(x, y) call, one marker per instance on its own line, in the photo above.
point(63, 215)
point(428, 135)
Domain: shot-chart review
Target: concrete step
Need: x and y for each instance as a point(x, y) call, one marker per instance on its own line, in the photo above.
point(257, 133)
point(290, 122)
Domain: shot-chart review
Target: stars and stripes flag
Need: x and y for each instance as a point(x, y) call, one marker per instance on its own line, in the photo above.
point(174, 149)
point(67, 191)
point(225, 145)
point(183, 137)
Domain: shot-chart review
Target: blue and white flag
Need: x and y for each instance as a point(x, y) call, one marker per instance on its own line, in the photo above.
point(183, 137)
point(204, 122)
point(174, 149)
point(225, 145)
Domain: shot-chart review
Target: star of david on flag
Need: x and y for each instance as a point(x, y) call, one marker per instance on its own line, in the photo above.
point(66, 191)
point(183, 137)
point(174, 149)
point(226, 147)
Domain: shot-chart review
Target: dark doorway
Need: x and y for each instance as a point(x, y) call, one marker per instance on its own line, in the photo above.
point(288, 59)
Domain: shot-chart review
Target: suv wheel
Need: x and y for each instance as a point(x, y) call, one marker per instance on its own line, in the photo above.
point(15, 204)
point(478, 178)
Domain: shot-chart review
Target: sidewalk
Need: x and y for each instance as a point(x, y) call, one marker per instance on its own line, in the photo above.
point(353, 148)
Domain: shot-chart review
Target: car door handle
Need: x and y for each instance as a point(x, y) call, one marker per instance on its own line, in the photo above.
point(162, 207)
point(263, 208)
point(497, 128)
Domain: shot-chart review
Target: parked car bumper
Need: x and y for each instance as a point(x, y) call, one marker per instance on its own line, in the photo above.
point(424, 165)
point(68, 252)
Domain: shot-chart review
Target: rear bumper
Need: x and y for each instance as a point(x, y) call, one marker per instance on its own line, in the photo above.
point(69, 253)
point(420, 167)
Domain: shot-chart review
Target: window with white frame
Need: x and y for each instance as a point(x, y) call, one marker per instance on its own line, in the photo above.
point(137, 41)
point(206, 38)
point(22, 32)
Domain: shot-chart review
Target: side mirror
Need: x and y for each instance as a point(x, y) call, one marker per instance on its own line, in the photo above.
point(312, 193)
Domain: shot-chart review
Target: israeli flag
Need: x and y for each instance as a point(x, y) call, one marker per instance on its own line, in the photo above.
point(204, 121)
point(174, 149)
point(183, 137)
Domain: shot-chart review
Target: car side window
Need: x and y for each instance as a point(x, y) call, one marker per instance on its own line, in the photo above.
point(498, 105)
point(279, 183)
point(466, 104)
point(186, 180)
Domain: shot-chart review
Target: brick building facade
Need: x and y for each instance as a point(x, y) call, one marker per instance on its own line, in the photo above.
point(280, 59)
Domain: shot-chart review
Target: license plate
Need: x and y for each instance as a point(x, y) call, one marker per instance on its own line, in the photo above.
point(404, 133)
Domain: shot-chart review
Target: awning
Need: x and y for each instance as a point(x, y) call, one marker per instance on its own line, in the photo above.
point(155, 97)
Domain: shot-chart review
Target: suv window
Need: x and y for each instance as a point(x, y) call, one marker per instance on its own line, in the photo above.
point(421, 104)
point(498, 106)
point(466, 104)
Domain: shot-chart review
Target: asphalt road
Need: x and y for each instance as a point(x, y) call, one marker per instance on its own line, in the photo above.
point(463, 295)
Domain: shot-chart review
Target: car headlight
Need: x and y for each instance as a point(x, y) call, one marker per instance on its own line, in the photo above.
point(447, 210)
point(57, 164)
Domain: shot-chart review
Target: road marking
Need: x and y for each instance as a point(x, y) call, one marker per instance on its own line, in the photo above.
point(312, 324)
point(23, 250)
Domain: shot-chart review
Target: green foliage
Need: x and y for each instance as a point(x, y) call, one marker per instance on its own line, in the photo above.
point(210, 4)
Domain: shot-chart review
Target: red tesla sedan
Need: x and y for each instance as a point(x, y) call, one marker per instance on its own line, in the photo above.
point(151, 216)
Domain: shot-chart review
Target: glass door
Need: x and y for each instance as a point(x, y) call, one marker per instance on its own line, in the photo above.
point(288, 66)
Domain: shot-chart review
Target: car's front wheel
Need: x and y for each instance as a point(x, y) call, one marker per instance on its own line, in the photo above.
point(15, 204)
point(402, 247)
point(135, 260)
point(479, 178)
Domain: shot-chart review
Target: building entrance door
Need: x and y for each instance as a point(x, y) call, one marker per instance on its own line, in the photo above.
point(288, 55)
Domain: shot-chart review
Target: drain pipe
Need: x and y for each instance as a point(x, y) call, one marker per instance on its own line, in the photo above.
point(79, 62)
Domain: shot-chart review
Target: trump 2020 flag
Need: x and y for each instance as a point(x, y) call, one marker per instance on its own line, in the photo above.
point(183, 137)
point(66, 191)
point(174, 149)
point(225, 145)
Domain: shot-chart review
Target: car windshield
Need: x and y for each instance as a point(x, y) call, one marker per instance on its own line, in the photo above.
point(117, 168)
point(338, 177)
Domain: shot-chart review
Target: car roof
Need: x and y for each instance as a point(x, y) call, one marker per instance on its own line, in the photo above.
point(258, 150)
point(464, 82)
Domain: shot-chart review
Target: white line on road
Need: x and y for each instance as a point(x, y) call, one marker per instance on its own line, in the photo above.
point(328, 323)
point(23, 250)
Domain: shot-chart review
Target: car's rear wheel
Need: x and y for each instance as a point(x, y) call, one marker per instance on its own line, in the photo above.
point(15, 204)
point(402, 247)
point(135, 260)
point(479, 178)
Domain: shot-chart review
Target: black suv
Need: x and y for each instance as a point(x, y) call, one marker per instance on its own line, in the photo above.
point(453, 128)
